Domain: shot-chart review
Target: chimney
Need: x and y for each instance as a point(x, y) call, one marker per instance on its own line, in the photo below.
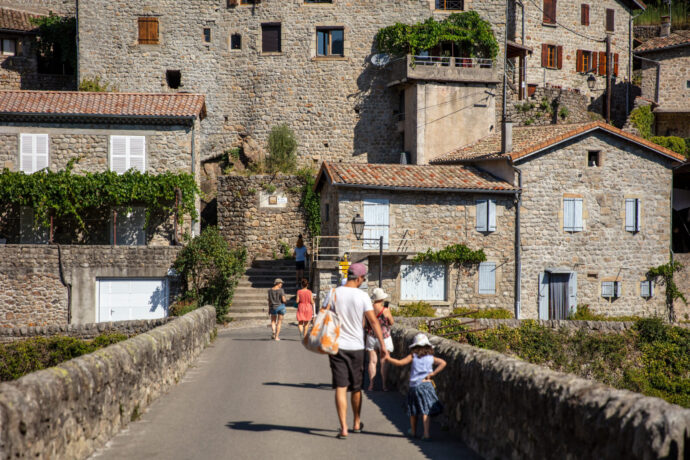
point(507, 136)
point(665, 26)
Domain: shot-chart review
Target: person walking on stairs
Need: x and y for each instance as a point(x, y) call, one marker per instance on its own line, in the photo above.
point(300, 259)
point(276, 307)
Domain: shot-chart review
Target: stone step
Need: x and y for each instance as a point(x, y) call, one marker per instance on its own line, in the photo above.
point(270, 263)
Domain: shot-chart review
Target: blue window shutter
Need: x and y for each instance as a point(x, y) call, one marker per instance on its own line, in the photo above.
point(645, 287)
point(487, 278)
point(492, 215)
point(482, 211)
point(607, 289)
point(568, 214)
point(577, 203)
point(543, 295)
point(618, 289)
point(630, 209)
point(572, 293)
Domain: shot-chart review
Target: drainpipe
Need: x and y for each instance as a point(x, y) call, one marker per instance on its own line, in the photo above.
point(630, 59)
point(76, 16)
point(518, 258)
point(524, 60)
point(198, 211)
point(505, 59)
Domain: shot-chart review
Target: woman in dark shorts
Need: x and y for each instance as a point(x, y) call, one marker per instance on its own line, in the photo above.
point(276, 307)
point(300, 259)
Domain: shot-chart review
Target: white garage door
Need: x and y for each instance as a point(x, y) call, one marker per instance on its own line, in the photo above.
point(123, 299)
point(422, 281)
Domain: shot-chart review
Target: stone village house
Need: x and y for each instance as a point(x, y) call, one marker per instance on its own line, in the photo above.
point(118, 270)
point(594, 216)
point(666, 80)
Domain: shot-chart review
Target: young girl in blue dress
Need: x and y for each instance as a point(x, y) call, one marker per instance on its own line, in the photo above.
point(421, 397)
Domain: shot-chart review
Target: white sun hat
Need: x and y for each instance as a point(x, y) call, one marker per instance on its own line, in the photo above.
point(421, 340)
point(378, 294)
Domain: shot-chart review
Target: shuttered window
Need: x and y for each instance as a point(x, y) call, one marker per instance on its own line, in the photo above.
point(551, 56)
point(270, 38)
point(31, 232)
point(610, 20)
point(422, 281)
point(611, 289)
point(602, 64)
point(128, 228)
point(33, 152)
point(572, 214)
point(632, 215)
point(584, 14)
point(376, 223)
point(646, 289)
point(330, 42)
point(487, 278)
point(127, 152)
point(148, 31)
point(486, 215)
point(584, 62)
point(549, 12)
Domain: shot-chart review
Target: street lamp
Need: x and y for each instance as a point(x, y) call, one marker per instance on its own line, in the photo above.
point(358, 226)
point(591, 82)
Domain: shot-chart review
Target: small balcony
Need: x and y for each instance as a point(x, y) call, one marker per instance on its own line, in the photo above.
point(442, 68)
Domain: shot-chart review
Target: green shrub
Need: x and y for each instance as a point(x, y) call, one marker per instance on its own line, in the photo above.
point(26, 356)
point(583, 313)
point(416, 309)
point(183, 306)
point(677, 144)
point(282, 150)
point(285, 250)
point(564, 113)
point(490, 313)
point(95, 85)
point(210, 270)
point(643, 119)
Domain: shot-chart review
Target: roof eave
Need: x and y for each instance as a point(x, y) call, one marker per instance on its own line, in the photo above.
point(425, 189)
point(92, 116)
point(662, 48)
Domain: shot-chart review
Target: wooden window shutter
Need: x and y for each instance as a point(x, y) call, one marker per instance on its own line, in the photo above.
point(270, 38)
point(579, 67)
point(593, 64)
point(615, 64)
point(584, 13)
point(610, 20)
point(544, 55)
point(602, 63)
point(549, 12)
point(148, 31)
point(559, 57)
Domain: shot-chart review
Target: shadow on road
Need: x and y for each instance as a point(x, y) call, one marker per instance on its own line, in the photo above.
point(310, 386)
point(260, 427)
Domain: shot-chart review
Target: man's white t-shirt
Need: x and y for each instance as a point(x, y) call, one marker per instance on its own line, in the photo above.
point(350, 305)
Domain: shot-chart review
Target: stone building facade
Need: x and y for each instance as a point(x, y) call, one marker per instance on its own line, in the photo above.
point(262, 212)
point(595, 215)
point(418, 219)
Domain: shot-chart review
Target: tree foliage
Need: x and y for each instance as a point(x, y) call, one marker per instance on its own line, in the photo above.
point(665, 272)
point(64, 194)
point(677, 144)
point(210, 270)
point(311, 201)
point(282, 150)
point(57, 40)
point(467, 30)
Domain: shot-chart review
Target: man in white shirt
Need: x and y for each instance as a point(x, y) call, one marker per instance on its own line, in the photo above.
point(352, 305)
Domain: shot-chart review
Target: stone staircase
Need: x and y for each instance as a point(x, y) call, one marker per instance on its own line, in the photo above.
point(250, 300)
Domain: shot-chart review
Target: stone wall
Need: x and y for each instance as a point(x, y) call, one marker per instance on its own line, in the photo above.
point(503, 407)
point(21, 72)
point(675, 72)
point(60, 7)
point(604, 250)
point(32, 292)
point(82, 331)
point(73, 409)
point(339, 108)
point(247, 217)
point(422, 220)
point(531, 112)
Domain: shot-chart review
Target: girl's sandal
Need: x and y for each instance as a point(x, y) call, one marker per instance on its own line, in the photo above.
point(410, 434)
point(426, 438)
point(341, 436)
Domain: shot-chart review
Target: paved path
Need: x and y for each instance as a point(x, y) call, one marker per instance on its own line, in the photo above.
point(248, 397)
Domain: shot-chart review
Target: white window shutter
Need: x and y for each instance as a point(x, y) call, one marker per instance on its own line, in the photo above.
point(26, 153)
point(492, 215)
point(638, 215)
point(578, 226)
point(629, 215)
point(137, 153)
point(543, 295)
point(118, 154)
point(618, 289)
point(607, 289)
point(644, 289)
point(41, 143)
point(487, 278)
point(572, 293)
point(482, 212)
point(568, 214)
point(376, 223)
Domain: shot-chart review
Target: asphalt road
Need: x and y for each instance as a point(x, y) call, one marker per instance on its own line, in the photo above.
point(248, 397)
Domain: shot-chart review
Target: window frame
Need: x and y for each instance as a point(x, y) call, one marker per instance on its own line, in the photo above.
point(489, 225)
point(584, 14)
point(551, 56)
point(141, 20)
point(264, 27)
point(207, 34)
point(438, 5)
point(407, 267)
point(610, 16)
point(328, 32)
point(2, 47)
point(483, 267)
point(597, 160)
point(636, 204)
point(34, 155)
point(616, 290)
point(549, 16)
point(650, 289)
point(128, 153)
point(232, 36)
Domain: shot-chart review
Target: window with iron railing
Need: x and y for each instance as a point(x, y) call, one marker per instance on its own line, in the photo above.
point(450, 4)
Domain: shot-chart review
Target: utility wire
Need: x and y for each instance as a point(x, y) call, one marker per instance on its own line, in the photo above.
point(569, 29)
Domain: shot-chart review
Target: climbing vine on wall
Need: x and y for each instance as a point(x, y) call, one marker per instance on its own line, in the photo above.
point(64, 194)
point(665, 272)
point(467, 30)
point(311, 201)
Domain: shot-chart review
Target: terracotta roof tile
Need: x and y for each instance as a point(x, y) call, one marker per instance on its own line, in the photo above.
point(528, 140)
point(16, 20)
point(414, 177)
point(95, 104)
point(677, 38)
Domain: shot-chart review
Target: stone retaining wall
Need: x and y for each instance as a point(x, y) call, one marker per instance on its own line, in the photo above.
point(252, 214)
point(71, 410)
point(82, 331)
point(503, 407)
point(530, 112)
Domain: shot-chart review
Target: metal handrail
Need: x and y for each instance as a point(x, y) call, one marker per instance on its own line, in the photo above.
point(333, 247)
point(448, 61)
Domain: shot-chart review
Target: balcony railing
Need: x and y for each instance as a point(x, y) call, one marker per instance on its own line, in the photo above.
point(443, 68)
point(332, 248)
point(447, 61)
